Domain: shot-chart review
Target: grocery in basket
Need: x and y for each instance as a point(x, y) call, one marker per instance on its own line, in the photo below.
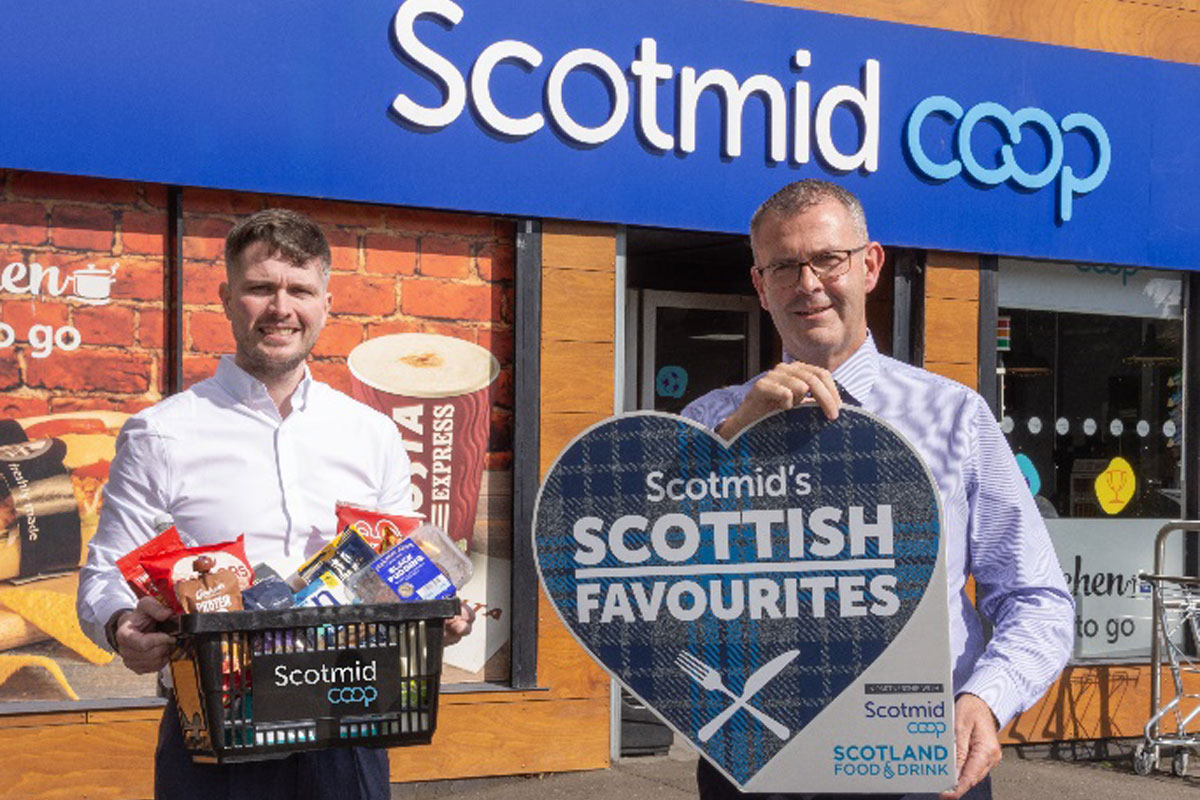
point(345, 651)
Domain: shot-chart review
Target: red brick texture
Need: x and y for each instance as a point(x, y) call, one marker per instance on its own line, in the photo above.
point(394, 270)
point(70, 350)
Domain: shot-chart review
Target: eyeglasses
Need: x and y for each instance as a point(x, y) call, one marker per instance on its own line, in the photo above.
point(825, 266)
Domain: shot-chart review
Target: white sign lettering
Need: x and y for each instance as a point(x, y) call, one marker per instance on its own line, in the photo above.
point(91, 285)
point(649, 73)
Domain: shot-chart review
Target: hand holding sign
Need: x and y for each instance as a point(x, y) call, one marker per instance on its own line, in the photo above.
point(786, 386)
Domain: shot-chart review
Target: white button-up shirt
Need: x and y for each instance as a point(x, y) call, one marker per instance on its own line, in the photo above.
point(994, 531)
point(222, 462)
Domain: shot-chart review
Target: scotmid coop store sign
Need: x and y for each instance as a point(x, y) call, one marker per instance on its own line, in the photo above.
point(798, 126)
point(675, 113)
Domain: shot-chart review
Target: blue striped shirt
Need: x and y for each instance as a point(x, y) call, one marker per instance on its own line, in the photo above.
point(993, 530)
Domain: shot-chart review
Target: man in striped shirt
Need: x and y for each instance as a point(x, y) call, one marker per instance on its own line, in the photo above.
point(814, 264)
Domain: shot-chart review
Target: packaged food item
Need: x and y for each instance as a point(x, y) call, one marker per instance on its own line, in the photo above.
point(325, 590)
point(167, 569)
point(133, 570)
point(436, 544)
point(268, 591)
point(345, 555)
point(404, 572)
point(378, 529)
point(264, 573)
point(210, 591)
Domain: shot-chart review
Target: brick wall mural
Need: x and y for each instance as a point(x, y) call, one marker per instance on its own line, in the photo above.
point(82, 346)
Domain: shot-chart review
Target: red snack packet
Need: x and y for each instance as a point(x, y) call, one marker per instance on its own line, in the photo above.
point(378, 529)
point(168, 569)
point(131, 567)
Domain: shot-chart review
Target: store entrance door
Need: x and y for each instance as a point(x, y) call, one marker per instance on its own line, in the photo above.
point(692, 324)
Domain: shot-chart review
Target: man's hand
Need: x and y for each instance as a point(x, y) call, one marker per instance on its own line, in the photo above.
point(458, 627)
point(784, 387)
point(139, 643)
point(977, 743)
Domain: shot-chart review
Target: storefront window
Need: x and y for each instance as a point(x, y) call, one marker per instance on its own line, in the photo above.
point(1079, 392)
point(1090, 387)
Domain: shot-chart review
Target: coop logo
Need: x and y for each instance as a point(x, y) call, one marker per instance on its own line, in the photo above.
point(1006, 168)
point(926, 717)
point(352, 694)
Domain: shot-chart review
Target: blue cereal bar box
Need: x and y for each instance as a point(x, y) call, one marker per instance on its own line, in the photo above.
point(324, 590)
point(403, 572)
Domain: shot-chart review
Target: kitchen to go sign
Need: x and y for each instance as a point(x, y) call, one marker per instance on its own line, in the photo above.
point(90, 285)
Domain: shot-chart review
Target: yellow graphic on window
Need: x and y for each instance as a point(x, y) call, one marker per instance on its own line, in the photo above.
point(1115, 486)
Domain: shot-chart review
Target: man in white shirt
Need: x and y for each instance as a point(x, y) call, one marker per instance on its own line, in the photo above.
point(261, 449)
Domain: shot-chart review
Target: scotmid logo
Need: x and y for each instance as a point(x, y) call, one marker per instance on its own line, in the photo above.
point(943, 140)
point(340, 679)
point(1006, 168)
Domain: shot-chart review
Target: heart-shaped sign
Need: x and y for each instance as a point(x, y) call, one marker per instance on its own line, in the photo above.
point(739, 589)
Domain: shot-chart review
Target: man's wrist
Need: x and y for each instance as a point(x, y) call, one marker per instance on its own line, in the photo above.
point(110, 627)
point(995, 719)
point(730, 426)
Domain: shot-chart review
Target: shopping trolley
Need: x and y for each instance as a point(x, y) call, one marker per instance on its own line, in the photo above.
point(1175, 641)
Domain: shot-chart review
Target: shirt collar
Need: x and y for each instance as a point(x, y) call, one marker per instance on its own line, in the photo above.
point(251, 392)
point(857, 373)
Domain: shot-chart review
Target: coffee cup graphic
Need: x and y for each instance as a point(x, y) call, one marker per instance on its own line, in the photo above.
point(436, 389)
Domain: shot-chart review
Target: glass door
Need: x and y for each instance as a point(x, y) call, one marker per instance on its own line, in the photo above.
point(690, 343)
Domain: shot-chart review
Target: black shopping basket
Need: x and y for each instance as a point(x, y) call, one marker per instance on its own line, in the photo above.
point(251, 685)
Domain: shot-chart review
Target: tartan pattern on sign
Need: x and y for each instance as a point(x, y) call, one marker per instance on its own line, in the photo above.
point(755, 607)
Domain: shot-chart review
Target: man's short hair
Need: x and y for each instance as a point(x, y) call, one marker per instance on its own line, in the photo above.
point(286, 233)
point(802, 195)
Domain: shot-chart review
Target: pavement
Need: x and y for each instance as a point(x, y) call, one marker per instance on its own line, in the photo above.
point(1036, 773)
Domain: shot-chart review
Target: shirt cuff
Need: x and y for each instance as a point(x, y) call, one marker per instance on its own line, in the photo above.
point(102, 609)
point(993, 687)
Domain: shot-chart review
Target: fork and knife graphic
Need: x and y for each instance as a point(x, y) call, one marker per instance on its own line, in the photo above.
point(709, 678)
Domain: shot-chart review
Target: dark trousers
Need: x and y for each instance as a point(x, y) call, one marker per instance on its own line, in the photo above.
point(348, 773)
point(714, 786)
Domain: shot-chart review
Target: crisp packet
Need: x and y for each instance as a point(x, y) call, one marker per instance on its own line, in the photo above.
point(378, 529)
point(168, 569)
point(135, 573)
point(403, 572)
